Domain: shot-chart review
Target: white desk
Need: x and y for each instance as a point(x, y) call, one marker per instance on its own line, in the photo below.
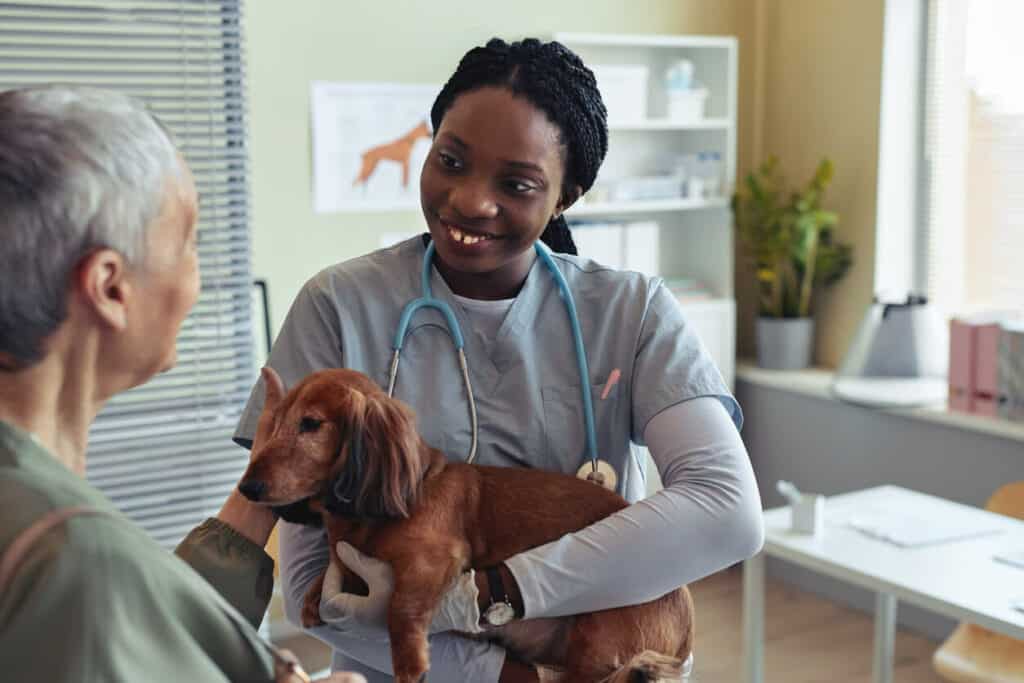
point(958, 579)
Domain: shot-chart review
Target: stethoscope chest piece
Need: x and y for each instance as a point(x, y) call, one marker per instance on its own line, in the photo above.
point(603, 475)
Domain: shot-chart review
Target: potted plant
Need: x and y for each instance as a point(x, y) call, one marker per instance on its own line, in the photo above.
point(790, 240)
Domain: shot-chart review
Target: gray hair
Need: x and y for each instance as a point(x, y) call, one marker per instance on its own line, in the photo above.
point(80, 169)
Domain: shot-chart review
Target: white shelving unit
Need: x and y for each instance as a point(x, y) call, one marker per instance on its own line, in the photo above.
point(695, 234)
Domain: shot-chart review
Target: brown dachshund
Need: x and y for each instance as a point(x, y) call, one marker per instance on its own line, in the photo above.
point(339, 442)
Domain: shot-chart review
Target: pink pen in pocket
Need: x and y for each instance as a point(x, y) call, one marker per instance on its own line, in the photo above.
point(613, 379)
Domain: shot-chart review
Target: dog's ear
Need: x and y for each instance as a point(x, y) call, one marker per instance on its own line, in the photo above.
point(273, 385)
point(394, 458)
point(273, 393)
point(347, 472)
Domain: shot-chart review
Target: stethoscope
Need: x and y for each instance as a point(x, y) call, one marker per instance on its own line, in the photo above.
point(598, 471)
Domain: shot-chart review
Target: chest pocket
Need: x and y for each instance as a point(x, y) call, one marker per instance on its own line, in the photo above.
point(565, 430)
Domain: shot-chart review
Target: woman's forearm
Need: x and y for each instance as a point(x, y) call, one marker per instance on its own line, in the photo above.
point(255, 522)
point(706, 518)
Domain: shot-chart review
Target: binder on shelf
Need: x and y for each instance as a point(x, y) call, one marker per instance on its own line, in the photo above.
point(620, 245)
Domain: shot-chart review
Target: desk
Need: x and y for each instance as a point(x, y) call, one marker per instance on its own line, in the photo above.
point(958, 579)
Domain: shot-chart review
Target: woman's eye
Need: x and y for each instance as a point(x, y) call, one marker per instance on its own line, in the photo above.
point(309, 424)
point(448, 161)
point(518, 186)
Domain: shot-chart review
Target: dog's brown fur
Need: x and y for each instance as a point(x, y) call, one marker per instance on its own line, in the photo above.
point(431, 519)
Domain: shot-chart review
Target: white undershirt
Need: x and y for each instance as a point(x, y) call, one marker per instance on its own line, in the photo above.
point(486, 315)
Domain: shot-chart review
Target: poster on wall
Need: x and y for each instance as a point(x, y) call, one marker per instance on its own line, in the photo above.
point(369, 144)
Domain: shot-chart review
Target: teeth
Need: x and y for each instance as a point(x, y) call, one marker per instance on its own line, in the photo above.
point(464, 237)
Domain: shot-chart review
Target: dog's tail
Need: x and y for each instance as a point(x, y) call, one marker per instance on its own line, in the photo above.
point(650, 667)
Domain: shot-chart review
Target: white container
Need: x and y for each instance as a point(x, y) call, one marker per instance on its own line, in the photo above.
point(807, 515)
point(623, 88)
point(687, 106)
point(641, 188)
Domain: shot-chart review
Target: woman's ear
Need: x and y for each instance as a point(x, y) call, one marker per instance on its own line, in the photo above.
point(569, 197)
point(394, 459)
point(101, 280)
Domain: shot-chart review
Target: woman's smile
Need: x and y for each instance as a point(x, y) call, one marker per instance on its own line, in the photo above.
point(467, 237)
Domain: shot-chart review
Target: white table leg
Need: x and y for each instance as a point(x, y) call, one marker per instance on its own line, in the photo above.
point(885, 637)
point(753, 619)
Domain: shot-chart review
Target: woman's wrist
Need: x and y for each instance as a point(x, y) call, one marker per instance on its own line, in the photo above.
point(509, 584)
point(255, 522)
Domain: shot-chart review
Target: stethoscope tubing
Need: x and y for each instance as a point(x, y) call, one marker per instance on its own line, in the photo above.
point(427, 300)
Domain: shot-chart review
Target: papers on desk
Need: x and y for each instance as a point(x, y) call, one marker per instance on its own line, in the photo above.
point(1015, 559)
point(910, 531)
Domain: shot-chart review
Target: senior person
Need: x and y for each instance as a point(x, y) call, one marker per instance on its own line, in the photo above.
point(98, 269)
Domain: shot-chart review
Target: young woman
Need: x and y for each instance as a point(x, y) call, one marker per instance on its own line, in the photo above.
point(519, 135)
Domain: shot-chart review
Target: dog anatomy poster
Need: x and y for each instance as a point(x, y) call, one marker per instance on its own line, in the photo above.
point(369, 144)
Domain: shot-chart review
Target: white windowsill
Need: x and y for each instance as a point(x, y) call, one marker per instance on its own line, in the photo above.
point(816, 382)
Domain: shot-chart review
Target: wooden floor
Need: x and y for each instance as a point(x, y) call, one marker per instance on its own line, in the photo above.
point(808, 639)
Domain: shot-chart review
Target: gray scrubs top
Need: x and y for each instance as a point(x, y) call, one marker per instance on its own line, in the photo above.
point(525, 378)
point(525, 381)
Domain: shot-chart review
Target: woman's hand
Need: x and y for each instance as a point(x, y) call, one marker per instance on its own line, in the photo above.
point(367, 615)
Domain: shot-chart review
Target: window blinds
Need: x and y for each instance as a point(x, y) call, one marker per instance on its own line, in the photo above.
point(163, 452)
point(971, 240)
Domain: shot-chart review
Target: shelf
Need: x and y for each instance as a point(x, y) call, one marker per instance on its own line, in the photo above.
point(627, 40)
point(817, 383)
point(669, 124)
point(651, 206)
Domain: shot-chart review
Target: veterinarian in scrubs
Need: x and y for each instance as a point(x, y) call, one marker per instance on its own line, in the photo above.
point(519, 135)
point(98, 268)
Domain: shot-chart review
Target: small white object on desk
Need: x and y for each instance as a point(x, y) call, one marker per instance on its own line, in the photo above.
point(1014, 559)
point(807, 509)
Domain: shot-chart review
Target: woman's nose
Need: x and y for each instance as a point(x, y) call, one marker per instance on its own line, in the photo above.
point(473, 200)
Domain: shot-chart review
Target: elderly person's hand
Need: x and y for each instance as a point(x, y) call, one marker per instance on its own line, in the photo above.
point(342, 677)
point(288, 670)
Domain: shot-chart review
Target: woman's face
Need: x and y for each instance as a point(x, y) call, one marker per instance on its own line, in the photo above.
point(492, 181)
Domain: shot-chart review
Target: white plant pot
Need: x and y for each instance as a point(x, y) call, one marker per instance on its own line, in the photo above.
point(785, 343)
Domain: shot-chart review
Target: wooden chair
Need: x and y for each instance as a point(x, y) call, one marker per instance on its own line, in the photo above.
point(974, 654)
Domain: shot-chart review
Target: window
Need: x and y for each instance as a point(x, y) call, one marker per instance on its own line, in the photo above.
point(974, 153)
point(962, 240)
point(163, 452)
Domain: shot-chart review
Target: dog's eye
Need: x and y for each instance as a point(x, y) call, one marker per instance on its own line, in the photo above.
point(309, 424)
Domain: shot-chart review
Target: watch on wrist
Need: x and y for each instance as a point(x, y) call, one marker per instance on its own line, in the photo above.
point(500, 611)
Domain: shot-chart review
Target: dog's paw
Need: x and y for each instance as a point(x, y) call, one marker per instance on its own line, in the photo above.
point(311, 614)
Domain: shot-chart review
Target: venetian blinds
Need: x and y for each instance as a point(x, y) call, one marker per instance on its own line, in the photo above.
point(163, 452)
point(972, 238)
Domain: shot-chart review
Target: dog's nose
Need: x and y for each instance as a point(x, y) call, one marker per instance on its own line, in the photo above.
point(252, 488)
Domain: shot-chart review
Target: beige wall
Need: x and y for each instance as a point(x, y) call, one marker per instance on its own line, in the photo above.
point(810, 75)
point(821, 62)
point(293, 43)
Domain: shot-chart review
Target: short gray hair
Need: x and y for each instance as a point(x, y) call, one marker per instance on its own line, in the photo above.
point(80, 169)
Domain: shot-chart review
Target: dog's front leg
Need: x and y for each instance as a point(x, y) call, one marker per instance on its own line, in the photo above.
point(420, 582)
point(311, 603)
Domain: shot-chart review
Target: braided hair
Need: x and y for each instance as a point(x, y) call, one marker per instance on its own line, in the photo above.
point(555, 80)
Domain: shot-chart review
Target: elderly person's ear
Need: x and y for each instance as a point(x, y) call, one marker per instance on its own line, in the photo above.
point(103, 286)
